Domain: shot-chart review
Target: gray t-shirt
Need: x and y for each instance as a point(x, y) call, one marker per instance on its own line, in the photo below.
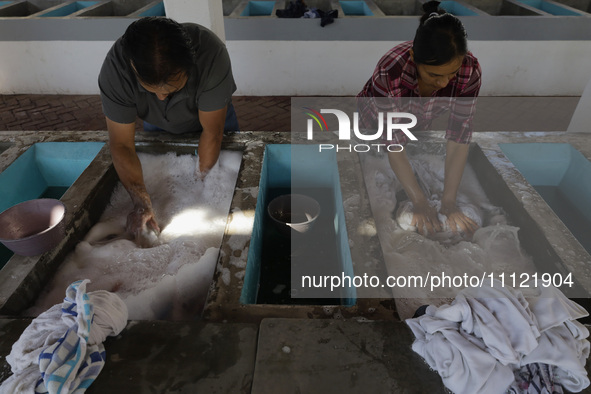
point(209, 87)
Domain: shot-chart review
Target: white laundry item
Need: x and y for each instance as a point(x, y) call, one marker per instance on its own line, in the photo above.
point(404, 215)
point(44, 330)
point(513, 329)
point(551, 307)
point(110, 316)
point(61, 351)
point(463, 364)
point(559, 348)
point(102, 232)
point(22, 381)
point(561, 334)
point(499, 316)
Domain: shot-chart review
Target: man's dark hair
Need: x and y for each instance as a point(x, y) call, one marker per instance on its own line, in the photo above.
point(440, 37)
point(159, 49)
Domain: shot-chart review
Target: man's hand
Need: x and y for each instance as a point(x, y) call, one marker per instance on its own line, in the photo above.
point(210, 141)
point(139, 220)
point(129, 170)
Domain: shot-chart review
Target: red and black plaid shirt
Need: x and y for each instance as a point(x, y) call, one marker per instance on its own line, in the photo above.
point(395, 77)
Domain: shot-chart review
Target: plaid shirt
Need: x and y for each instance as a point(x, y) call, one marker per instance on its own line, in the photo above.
point(395, 77)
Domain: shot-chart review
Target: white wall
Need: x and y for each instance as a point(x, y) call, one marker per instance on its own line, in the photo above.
point(51, 67)
point(304, 67)
point(536, 68)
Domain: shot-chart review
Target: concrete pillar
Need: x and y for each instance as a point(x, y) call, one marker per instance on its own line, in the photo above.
point(581, 120)
point(208, 13)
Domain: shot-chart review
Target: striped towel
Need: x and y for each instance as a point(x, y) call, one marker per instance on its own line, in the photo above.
point(71, 362)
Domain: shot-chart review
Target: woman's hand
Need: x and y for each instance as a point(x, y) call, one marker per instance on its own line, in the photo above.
point(457, 221)
point(425, 219)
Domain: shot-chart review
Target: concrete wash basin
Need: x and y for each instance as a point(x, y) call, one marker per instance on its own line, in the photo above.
point(536, 238)
point(355, 8)
point(534, 241)
point(235, 299)
point(67, 9)
point(239, 300)
point(124, 8)
point(255, 8)
point(558, 173)
point(19, 8)
point(275, 261)
point(24, 278)
point(551, 7)
point(45, 170)
point(457, 8)
point(551, 169)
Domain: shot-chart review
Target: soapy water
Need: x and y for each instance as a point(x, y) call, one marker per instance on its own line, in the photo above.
point(493, 248)
point(169, 277)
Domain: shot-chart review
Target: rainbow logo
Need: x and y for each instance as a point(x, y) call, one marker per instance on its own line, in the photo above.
point(317, 117)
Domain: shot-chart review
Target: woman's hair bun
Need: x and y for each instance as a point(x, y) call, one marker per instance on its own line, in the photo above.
point(431, 6)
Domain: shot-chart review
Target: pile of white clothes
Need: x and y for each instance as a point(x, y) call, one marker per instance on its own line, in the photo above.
point(490, 335)
point(62, 350)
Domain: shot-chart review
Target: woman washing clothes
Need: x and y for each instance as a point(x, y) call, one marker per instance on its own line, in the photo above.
point(417, 76)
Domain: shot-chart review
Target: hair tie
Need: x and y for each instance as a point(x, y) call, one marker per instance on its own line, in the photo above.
point(433, 14)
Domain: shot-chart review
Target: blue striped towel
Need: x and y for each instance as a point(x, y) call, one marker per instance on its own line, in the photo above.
point(70, 365)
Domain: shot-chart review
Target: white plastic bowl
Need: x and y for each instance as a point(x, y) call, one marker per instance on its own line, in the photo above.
point(293, 213)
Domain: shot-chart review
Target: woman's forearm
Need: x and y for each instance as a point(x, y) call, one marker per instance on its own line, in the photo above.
point(406, 176)
point(455, 162)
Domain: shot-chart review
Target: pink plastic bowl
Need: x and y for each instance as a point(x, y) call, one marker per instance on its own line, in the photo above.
point(33, 227)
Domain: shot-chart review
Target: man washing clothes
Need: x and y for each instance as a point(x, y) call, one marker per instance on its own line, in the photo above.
point(175, 77)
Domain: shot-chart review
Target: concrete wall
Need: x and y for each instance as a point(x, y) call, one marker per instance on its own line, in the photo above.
point(51, 67)
point(519, 55)
point(342, 68)
point(304, 68)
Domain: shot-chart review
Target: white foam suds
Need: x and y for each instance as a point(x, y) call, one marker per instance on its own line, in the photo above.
point(169, 280)
point(494, 248)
